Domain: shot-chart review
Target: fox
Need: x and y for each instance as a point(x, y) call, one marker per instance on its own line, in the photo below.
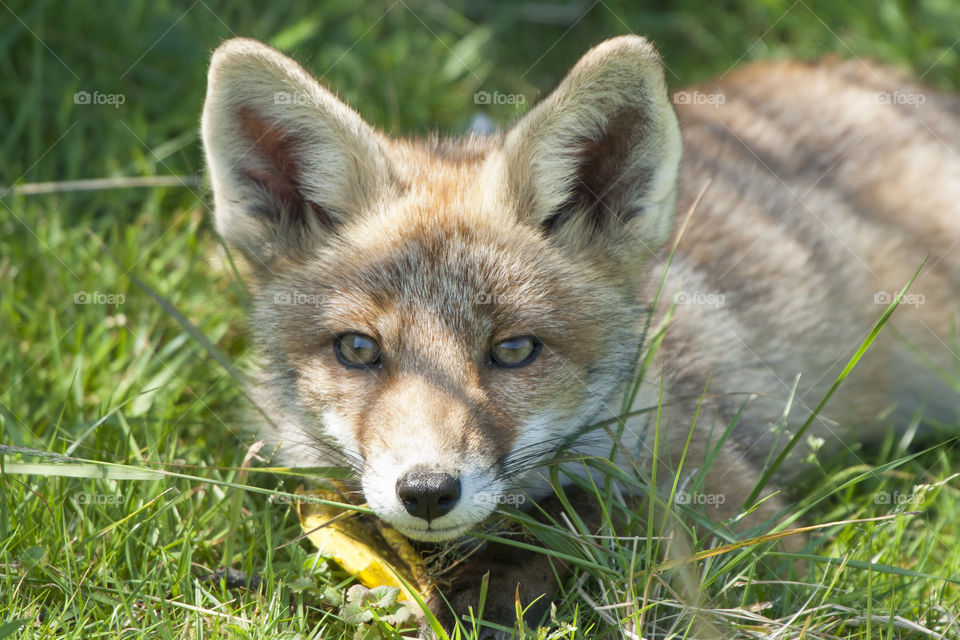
point(443, 318)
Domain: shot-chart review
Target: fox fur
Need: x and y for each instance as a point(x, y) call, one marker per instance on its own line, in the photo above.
point(818, 200)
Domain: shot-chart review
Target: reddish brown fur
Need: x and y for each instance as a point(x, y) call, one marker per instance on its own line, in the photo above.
point(820, 198)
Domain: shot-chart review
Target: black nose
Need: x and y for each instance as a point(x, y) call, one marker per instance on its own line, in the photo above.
point(428, 495)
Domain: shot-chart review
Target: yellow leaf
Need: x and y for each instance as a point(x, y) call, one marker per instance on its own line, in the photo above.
point(373, 553)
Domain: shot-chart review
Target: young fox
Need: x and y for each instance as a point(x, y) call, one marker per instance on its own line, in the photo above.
point(444, 317)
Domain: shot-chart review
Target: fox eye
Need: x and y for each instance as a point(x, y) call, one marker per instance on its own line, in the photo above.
point(515, 352)
point(356, 350)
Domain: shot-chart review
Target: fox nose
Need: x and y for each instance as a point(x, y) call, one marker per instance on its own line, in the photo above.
point(428, 495)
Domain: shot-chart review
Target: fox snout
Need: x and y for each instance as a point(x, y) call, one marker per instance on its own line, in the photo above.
point(430, 467)
point(426, 504)
point(430, 505)
point(428, 495)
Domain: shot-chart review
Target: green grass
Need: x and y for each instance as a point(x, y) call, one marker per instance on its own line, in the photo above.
point(126, 383)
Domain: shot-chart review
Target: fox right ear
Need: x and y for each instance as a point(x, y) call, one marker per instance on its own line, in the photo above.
point(288, 161)
point(595, 164)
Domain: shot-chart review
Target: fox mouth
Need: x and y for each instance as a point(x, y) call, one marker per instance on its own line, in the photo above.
point(432, 533)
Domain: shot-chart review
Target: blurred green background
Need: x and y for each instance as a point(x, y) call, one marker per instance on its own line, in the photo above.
point(407, 65)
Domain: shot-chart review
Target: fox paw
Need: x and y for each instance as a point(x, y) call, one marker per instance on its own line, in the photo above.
point(499, 613)
point(514, 579)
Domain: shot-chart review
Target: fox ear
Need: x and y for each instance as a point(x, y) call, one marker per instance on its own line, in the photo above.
point(597, 159)
point(288, 161)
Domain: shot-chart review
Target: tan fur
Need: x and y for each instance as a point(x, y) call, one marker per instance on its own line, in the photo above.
point(819, 197)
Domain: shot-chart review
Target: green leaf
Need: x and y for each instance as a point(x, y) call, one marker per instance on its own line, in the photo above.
point(384, 596)
point(9, 628)
point(301, 584)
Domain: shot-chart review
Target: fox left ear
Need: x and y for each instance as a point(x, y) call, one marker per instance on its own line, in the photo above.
point(289, 162)
point(597, 160)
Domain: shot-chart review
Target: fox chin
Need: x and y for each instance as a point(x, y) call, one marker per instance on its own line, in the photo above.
point(443, 318)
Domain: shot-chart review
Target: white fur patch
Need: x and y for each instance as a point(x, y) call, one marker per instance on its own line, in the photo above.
point(338, 429)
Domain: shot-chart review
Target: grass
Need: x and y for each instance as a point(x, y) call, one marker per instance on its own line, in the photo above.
point(117, 379)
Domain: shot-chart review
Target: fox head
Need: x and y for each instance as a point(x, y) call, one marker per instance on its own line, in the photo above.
point(442, 317)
